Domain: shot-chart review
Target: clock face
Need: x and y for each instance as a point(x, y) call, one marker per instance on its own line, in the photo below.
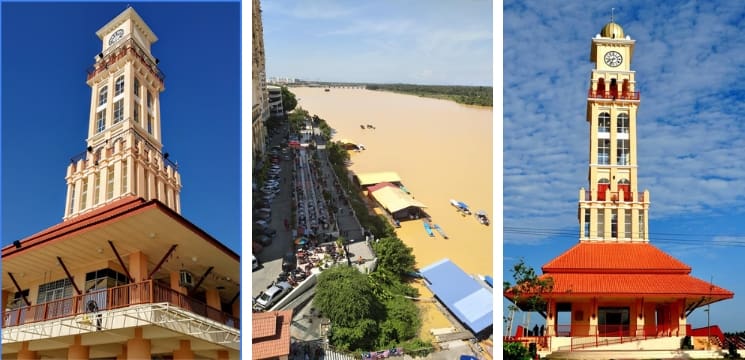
point(613, 58)
point(116, 36)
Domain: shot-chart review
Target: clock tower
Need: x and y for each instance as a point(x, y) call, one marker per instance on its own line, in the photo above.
point(613, 209)
point(124, 150)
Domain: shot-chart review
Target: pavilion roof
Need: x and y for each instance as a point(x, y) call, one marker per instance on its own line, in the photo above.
point(602, 257)
point(676, 285)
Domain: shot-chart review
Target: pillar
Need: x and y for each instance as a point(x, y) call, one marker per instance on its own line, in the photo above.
point(184, 352)
point(236, 308)
point(137, 347)
point(638, 315)
point(123, 355)
point(77, 351)
point(593, 317)
point(25, 353)
point(222, 355)
point(213, 298)
point(138, 266)
point(175, 279)
point(6, 294)
point(550, 318)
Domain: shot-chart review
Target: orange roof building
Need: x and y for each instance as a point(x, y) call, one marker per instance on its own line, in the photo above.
point(271, 335)
point(614, 283)
point(124, 275)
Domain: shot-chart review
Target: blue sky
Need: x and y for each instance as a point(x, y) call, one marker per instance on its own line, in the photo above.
point(418, 41)
point(689, 61)
point(46, 49)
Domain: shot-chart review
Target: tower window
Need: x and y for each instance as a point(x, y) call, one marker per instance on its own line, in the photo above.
point(137, 87)
point(627, 224)
point(84, 193)
point(96, 188)
point(604, 122)
point(641, 225)
point(149, 100)
point(103, 95)
point(614, 224)
point(124, 176)
point(110, 183)
point(150, 124)
point(587, 223)
point(72, 200)
point(622, 152)
point(601, 223)
point(119, 86)
point(101, 120)
point(622, 124)
point(118, 111)
point(137, 114)
point(603, 151)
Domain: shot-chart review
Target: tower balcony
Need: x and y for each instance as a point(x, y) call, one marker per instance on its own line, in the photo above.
point(613, 95)
point(609, 196)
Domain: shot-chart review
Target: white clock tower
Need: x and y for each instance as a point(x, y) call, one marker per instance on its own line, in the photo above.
point(124, 154)
point(613, 209)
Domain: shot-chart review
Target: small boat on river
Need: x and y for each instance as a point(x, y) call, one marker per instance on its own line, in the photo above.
point(481, 216)
point(439, 230)
point(461, 206)
point(428, 229)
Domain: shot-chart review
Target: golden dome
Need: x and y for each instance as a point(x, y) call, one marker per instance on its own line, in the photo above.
point(612, 30)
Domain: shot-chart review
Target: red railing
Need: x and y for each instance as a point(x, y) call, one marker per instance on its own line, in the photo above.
point(615, 95)
point(585, 336)
point(145, 292)
point(614, 196)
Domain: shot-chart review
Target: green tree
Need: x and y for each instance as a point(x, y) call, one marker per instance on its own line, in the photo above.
point(343, 294)
point(402, 322)
point(288, 99)
point(394, 256)
point(529, 289)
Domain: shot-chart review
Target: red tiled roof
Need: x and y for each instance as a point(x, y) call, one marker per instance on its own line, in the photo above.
point(278, 343)
point(635, 284)
point(598, 257)
point(380, 186)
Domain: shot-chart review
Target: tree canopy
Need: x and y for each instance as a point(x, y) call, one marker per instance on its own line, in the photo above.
point(288, 99)
point(394, 255)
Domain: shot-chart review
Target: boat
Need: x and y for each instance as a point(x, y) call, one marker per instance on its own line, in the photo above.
point(428, 229)
point(461, 206)
point(327, 90)
point(439, 230)
point(362, 127)
point(481, 216)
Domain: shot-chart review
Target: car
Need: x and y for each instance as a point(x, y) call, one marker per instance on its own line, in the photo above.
point(263, 240)
point(268, 298)
point(261, 223)
point(289, 262)
point(255, 263)
point(272, 182)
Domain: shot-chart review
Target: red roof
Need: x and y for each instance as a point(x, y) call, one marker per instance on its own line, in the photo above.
point(271, 334)
point(678, 285)
point(624, 270)
point(380, 186)
point(615, 257)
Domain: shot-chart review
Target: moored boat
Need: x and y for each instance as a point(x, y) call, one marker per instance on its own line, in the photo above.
point(428, 229)
point(439, 230)
point(482, 217)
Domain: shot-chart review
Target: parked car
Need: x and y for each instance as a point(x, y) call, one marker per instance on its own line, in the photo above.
point(255, 263)
point(264, 240)
point(268, 298)
point(289, 262)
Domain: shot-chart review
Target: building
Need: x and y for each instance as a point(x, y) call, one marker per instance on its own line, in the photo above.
point(124, 275)
point(260, 98)
point(271, 335)
point(275, 101)
point(614, 283)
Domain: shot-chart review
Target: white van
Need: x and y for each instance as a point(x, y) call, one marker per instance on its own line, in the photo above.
point(255, 263)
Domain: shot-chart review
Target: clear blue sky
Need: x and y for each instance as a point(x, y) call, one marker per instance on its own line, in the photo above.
point(689, 60)
point(417, 42)
point(46, 49)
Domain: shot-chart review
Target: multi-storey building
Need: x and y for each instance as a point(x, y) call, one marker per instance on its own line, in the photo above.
point(614, 284)
point(260, 98)
point(124, 275)
point(275, 101)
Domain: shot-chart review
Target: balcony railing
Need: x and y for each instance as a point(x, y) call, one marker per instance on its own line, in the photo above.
point(146, 292)
point(615, 196)
point(614, 95)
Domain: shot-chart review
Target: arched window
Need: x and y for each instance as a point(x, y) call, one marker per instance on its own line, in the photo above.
point(603, 184)
point(613, 88)
point(622, 123)
point(604, 122)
